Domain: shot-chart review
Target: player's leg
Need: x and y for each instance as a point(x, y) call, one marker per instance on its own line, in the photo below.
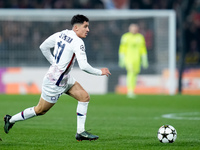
point(83, 98)
point(131, 79)
point(45, 103)
point(42, 107)
point(10, 120)
point(78, 92)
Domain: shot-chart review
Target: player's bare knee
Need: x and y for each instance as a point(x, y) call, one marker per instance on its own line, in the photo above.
point(85, 98)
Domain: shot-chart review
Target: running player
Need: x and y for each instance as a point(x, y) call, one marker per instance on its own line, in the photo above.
point(132, 54)
point(68, 46)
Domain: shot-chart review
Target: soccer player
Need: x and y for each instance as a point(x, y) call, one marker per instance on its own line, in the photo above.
point(132, 54)
point(68, 46)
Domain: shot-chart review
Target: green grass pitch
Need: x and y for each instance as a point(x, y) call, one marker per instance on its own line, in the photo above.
point(120, 123)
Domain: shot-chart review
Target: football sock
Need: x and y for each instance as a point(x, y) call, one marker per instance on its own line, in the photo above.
point(26, 114)
point(81, 116)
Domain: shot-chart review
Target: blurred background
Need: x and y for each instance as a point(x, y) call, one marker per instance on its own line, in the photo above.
point(20, 40)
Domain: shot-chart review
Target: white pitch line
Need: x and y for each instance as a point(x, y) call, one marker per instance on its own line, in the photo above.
point(183, 116)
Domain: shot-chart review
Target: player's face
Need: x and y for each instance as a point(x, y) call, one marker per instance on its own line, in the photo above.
point(82, 29)
point(133, 29)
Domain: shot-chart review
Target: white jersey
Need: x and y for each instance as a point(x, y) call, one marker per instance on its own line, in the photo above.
point(67, 47)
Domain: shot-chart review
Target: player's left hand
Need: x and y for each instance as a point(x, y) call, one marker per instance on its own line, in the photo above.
point(105, 71)
point(145, 63)
point(121, 64)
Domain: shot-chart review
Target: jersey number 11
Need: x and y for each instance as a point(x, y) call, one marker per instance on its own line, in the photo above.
point(59, 51)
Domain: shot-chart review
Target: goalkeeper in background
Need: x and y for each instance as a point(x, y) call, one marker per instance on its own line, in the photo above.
point(132, 55)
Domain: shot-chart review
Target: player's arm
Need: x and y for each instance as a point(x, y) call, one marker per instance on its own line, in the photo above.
point(46, 46)
point(122, 49)
point(84, 65)
point(145, 63)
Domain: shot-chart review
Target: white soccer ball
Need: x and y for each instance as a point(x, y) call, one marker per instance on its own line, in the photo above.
point(167, 134)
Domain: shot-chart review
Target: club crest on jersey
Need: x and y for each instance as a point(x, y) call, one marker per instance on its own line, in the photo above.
point(82, 48)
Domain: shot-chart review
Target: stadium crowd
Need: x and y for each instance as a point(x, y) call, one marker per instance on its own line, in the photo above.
point(91, 4)
point(191, 22)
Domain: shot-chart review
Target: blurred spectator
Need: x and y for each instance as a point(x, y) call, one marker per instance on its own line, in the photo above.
point(146, 4)
point(191, 22)
point(116, 4)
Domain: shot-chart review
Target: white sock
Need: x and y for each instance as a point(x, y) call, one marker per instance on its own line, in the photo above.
point(26, 114)
point(81, 116)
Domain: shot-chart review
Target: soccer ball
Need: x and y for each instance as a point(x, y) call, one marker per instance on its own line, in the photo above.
point(167, 134)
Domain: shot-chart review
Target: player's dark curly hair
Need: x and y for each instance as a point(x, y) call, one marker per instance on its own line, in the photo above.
point(78, 19)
